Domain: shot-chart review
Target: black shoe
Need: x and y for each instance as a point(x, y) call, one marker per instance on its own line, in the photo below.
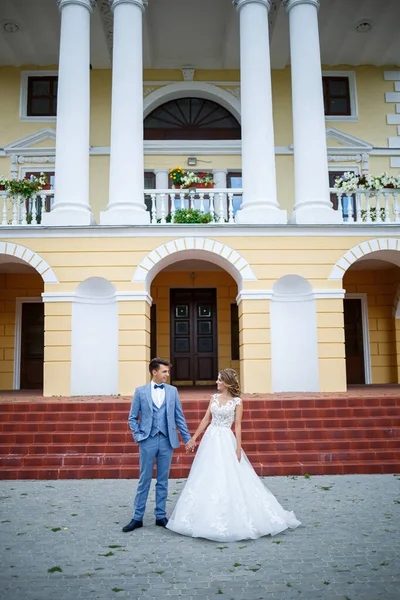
point(132, 525)
point(162, 522)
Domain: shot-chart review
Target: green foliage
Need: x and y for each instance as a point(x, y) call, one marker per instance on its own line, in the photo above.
point(24, 187)
point(191, 215)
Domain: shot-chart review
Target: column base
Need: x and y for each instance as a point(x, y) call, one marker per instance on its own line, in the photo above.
point(261, 214)
point(68, 217)
point(125, 215)
point(315, 215)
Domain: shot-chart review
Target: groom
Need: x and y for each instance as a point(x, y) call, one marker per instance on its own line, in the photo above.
point(160, 411)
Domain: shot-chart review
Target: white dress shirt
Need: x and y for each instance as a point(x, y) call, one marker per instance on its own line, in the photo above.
point(158, 395)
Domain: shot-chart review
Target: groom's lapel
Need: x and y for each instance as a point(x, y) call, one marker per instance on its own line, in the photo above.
point(148, 396)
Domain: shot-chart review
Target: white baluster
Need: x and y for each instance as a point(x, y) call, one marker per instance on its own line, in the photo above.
point(387, 217)
point(153, 209)
point(15, 201)
point(162, 209)
point(367, 206)
point(172, 200)
point(350, 209)
point(378, 208)
point(22, 210)
point(230, 208)
point(212, 206)
point(182, 197)
point(221, 208)
point(339, 203)
point(34, 211)
point(201, 194)
point(43, 207)
point(396, 211)
point(191, 199)
point(5, 198)
point(358, 207)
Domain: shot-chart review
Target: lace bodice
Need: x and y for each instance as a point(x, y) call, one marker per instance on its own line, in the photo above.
point(223, 415)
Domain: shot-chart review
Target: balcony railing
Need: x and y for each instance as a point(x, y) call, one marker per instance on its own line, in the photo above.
point(366, 207)
point(16, 210)
point(221, 203)
point(359, 208)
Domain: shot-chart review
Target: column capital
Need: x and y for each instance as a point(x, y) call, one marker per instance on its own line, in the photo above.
point(89, 4)
point(289, 4)
point(241, 3)
point(142, 4)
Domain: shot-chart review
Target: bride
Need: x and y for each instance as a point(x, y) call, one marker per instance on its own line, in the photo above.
point(223, 499)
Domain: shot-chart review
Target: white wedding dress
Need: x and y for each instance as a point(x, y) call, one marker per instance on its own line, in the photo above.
point(224, 499)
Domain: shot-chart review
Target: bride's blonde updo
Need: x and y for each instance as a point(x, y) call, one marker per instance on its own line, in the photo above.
point(230, 379)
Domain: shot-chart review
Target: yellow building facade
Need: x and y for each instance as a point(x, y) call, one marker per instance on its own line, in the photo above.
point(293, 302)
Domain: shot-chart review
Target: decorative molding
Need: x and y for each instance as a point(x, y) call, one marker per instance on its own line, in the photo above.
point(192, 89)
point(89, 4)
point(193, 248)
point(36, 159)
point(142, 4)
point(33, 259)
point(241, 3)
point(289, 4)
point(347, 140)
point(26, 143)
point(393, 118)
point(358, 158)
point(271, 295)
point(148, 91)
point(363, 249)
point(107, 20)
point(365, 328)
point(117, 297)
point(234, 91)
point(188, 73)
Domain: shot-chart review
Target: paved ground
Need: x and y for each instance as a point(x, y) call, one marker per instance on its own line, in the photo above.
point(62, 540)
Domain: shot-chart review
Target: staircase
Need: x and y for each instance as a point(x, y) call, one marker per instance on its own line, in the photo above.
point(288, 436)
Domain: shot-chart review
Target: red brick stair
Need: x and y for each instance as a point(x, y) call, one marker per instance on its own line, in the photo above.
point(288, 436)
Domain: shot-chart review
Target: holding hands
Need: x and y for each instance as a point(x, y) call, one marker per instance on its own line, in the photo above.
point(191, 445)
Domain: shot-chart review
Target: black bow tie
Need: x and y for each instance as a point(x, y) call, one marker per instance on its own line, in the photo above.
point(162, 386)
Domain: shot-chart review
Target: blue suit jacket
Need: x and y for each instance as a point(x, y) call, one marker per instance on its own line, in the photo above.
point(141, 415)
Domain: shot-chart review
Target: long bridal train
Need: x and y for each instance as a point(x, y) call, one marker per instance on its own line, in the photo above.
point(224, 499)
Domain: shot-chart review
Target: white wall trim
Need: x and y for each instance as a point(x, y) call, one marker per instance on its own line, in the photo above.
point(351, 75)
point(193, 248)
point(356, 252)
point(365, 328)
point(17, 337)
point(118, 297)
point(23, 103)
point(192, 89)
point(318, 294)
point(33, 259)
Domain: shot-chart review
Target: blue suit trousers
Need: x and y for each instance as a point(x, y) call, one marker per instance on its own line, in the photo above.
point(152, 449)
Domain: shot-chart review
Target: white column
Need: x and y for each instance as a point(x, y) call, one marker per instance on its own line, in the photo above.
point(260, 203)
point(126, 197)
point(162, 181)
point(312, 200)
point(71, 204)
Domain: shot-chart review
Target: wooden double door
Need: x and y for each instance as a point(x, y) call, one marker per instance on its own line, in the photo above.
point(32, 346)
point(354, 341)
point(194, 347)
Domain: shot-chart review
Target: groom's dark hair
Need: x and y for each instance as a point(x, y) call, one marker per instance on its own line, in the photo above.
point(156, 363)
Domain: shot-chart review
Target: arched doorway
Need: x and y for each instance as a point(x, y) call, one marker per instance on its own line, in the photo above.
point(371, 285)
point(22, 277)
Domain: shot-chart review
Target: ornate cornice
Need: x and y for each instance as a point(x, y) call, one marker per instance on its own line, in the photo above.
point(241, 3)
point(289, 4)
point(142, 4)
point(89, 4)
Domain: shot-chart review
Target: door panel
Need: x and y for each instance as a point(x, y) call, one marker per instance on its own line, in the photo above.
point(354, 341)
point(32, 345)
point(193, 335)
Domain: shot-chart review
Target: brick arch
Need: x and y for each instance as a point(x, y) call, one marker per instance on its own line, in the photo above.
point(31, 258)
point(193, 248)
point(363, 249)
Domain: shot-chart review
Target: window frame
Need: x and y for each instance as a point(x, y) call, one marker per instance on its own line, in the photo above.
point(353, 116)
point(23, 107)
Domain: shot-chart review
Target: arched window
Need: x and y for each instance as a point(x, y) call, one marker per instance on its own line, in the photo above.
point(191, 119)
